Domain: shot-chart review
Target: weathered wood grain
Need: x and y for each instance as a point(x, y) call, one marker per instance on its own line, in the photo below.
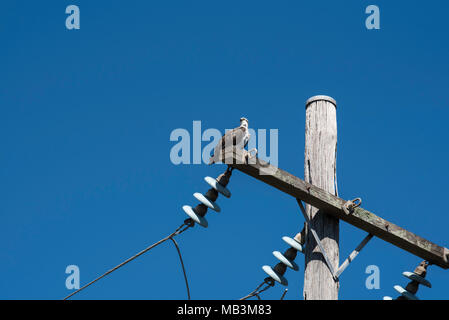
point(319, 170)
point(333, 205)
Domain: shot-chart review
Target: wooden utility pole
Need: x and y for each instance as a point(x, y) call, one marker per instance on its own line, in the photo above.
point(320, 170)
point(324, 207)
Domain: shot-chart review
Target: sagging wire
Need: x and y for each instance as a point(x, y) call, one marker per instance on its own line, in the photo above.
point(183, 268)
point(186, 225)
point(196, 215)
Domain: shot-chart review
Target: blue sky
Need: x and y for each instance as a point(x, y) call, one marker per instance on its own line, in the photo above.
point(86, 116)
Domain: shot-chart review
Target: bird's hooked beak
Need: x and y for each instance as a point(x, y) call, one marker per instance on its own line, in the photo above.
point(243, 120)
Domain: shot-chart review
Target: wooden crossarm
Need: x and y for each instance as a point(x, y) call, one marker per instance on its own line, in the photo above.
point(323, 200)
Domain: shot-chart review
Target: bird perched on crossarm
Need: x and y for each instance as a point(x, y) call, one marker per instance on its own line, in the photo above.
point(237, 137)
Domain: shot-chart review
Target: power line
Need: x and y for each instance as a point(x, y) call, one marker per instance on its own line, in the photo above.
point(188, 223)
point(196, 216)
point(183, 268)
point(269, 283)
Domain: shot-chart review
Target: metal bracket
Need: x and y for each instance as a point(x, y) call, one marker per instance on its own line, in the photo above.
point(350, 205)
point(353, 255)
point(317, 239)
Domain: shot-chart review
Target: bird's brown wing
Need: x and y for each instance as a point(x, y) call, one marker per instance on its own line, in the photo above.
point(231, 138)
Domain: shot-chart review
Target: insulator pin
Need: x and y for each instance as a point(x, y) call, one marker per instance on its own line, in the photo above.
point(206, 201)
point(289, 263)
point(405, 293)
point(277, 277)
point(293, 243)
point(414, 277)
point(196, 217)
point(217, 186)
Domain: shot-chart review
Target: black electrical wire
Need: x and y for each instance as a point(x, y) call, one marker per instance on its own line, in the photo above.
point(178, 231)
point(183, 268)
point(269, 283)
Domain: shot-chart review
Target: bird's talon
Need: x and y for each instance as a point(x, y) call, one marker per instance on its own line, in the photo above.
point(252, 150)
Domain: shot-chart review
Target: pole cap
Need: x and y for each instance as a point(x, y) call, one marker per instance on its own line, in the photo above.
point(321, 98)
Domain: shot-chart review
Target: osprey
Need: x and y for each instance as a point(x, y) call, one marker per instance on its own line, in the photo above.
point(235, 137)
